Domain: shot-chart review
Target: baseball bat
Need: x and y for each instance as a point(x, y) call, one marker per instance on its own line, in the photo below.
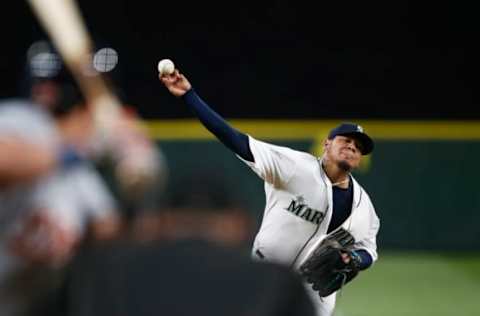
point(64, 24)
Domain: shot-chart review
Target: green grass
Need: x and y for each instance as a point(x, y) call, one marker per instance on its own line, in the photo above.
point(423, 284)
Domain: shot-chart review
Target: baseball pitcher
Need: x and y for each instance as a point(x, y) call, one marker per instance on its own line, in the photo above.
point(317, 219)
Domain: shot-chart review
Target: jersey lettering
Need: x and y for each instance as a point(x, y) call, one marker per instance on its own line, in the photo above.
point(317, 217)
point(306, 214)
point(300, 209)
point(294, 208)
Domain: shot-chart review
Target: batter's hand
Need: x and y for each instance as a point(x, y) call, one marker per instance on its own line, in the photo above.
point(176, 83)
point(40, 239)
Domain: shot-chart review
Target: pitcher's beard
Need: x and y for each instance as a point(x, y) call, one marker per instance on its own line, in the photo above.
point(344, 165)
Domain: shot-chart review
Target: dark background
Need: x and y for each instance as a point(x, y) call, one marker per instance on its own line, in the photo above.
point(289, 59)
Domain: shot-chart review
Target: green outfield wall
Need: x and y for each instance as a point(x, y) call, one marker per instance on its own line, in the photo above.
point(423, 179)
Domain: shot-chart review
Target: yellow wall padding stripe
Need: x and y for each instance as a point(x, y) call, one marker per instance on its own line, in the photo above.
point(192, 129)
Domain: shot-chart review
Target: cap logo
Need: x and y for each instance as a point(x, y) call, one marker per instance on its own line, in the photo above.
point(359, 129)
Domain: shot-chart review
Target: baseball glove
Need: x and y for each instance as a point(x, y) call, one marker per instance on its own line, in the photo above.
point(332, 264)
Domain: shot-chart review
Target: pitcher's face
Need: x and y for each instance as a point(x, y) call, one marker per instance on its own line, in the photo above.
point(343, 150)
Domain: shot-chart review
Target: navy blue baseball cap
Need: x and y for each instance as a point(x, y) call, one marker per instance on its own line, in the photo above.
point(356, 131)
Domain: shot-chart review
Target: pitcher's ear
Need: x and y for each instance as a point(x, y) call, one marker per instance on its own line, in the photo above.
point(326, 144)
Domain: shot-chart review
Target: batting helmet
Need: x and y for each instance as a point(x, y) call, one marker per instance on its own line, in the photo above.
point(48, 82)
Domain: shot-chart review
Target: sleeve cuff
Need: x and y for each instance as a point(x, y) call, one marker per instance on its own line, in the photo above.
point(366, 259)
point(190, 97)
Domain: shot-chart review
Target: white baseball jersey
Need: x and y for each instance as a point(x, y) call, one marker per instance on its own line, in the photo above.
point(74, 197)
point(299, 205)
point(29, 123)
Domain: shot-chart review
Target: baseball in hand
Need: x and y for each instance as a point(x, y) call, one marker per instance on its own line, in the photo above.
point(166, 67)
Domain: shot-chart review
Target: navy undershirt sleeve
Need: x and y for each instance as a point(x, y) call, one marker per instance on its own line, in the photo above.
point(342, 208)
point(235, 140)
